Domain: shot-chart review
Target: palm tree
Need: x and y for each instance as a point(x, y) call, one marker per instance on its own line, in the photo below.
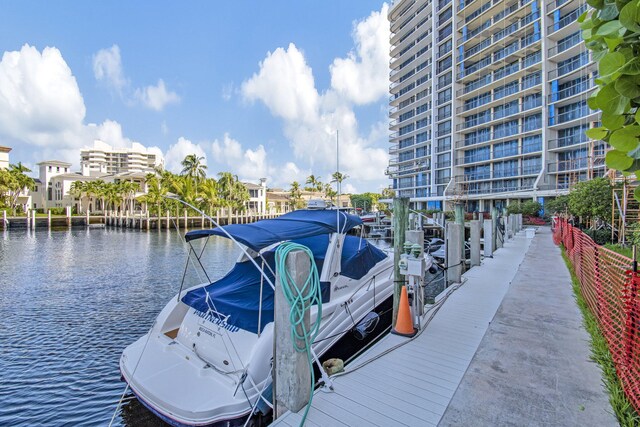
point(209, 194)
point(329, 192)
point(78, 190)
point(295, 195)
point(155, 192)
point(15, 182)
point(194, 169)
point(314, 184)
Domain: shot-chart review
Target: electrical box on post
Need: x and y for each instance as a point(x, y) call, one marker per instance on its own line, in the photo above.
point(416, 266)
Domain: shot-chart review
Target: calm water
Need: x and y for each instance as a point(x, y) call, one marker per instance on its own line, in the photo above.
point(70, 301)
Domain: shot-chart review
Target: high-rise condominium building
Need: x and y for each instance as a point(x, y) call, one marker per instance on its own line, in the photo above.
point(103, 158)
point(489, 101)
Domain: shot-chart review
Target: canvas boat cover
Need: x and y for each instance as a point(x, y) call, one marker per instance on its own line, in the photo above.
point(237, 295)
point(293, 225)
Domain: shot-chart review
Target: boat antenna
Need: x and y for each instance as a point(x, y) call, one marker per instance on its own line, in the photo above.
point(338, 183)
point(172, 196)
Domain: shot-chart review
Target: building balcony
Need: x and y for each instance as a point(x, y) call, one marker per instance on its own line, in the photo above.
point(571, 94)
point(561, 52)
point(494, 137)
point(494, 64)
point(572, 118)
point(577, 66)
point(577, 164)
point(497, 40)
point(563, 28)
point(561, 144)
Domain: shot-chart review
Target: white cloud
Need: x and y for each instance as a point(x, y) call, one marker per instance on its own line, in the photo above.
point(226, 151)
point(285, 84)
point(181, 149)
point(164, 128)
point(156, 97)
point(107, 67)
point(40, 102)
point(363, 76)
point(42, 110)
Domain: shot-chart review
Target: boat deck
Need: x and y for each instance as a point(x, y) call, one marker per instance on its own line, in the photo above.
point(413, 384)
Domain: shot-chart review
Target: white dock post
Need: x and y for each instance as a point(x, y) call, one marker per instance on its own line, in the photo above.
point(87, 221)
point(148, 221)
point(49, 218)
point(28, 212)
point(186, 221)
point(68, 212)
point(202, 221)
point(488, 239)
point(4, 219)
point(167, 219)
point(217, 216)
point(475, 243)
point(33, 219)
point(292, 377)
point(454, 252)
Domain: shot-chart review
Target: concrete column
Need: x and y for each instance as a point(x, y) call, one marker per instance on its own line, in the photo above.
point(475, 243)
point(217, 217)
point(292, 376)
point(494, 228)
point(4, 218)
point(186, 221)
point(167, 220)
point(88, 220)
point(28, 212)
point(49, 218)
point(454, 251)
point(488, 239)
point(68, 213)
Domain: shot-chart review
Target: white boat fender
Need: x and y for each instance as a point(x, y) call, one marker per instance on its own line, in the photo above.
point(366, 325)
point(259, 366)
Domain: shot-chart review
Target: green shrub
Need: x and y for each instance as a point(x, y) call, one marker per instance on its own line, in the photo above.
point(601, 237)
point(57, 211)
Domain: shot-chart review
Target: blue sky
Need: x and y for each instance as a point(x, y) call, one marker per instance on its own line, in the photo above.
point(258, 88)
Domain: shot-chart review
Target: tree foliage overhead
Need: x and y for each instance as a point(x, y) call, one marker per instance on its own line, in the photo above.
point(611, 30)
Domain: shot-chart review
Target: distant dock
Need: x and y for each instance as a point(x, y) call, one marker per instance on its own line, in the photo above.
point(141, 221)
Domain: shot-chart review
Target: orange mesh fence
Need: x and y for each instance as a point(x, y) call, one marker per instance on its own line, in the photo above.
point(611, 291)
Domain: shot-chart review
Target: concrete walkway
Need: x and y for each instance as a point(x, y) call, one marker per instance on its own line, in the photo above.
point(532, 367)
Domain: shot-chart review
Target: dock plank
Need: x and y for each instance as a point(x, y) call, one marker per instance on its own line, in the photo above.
point(414, 383)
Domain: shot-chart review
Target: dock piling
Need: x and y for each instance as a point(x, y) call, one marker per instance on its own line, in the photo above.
point(292, 375)
point(400, 224)
point(454, 252)
point(475, 243)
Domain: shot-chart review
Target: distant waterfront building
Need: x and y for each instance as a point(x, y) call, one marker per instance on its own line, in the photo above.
point(489, 101)
point(257, 196)
point(102, 157)
point(4, 157)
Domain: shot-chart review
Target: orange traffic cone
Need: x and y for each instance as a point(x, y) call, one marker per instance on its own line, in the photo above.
point(404, 323)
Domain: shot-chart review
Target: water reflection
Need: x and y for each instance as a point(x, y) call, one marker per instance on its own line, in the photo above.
point(70, 301)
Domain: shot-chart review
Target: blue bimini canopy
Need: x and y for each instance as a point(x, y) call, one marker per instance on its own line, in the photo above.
point(293, 225)
point(237, 294)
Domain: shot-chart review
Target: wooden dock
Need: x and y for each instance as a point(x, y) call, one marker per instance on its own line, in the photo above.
point(413, 384)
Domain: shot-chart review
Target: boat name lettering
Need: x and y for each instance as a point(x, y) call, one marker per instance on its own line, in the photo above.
point(217, 319)
point(337, 288)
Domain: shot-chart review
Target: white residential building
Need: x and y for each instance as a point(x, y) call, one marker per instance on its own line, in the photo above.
point(103, 157)
point(4, 157)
